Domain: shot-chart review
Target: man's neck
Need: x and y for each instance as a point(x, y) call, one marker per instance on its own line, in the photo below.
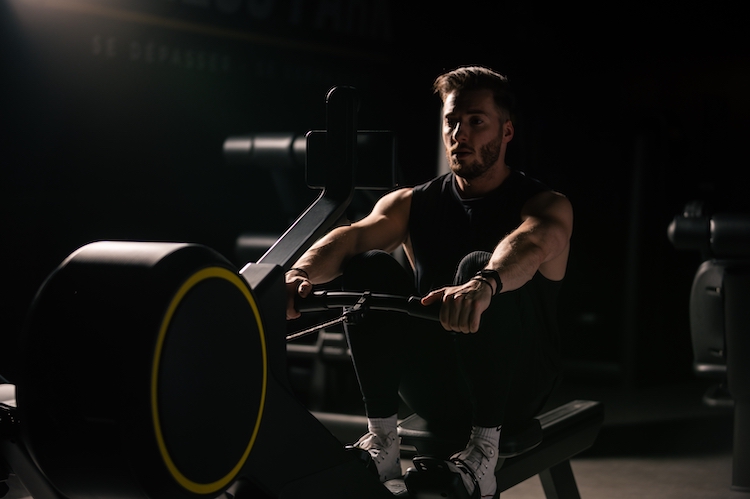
point(484, 184)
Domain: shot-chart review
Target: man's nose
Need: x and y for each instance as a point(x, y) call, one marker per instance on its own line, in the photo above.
point(459, 133)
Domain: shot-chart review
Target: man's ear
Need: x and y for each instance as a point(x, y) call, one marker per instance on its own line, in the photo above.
point(508, 131)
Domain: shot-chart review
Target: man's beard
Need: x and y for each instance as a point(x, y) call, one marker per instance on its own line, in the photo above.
point(488, 156)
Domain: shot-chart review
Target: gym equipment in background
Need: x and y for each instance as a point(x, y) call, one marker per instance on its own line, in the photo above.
point(720, 316)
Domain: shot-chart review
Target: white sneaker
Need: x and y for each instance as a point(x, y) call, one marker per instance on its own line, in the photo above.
point(385, 453)
point(476, 466)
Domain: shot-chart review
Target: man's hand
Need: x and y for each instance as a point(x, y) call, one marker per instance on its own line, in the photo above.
point(462, 305)
point(296, 285)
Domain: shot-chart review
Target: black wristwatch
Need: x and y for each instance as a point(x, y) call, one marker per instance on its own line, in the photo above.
point(492, 274)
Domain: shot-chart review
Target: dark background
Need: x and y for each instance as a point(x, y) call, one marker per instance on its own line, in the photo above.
point(114, 114)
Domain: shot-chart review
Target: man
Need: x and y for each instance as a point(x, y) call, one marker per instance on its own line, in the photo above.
point(490, 245)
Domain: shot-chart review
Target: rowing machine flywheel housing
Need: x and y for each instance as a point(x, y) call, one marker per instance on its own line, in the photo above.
point(126, 357)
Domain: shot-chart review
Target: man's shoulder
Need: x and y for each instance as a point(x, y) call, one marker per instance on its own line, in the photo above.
point(521, 182)
point(435, 184)
point(396, 197)
point(533, 180)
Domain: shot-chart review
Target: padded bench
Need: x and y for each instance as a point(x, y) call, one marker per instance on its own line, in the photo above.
point(565, 432)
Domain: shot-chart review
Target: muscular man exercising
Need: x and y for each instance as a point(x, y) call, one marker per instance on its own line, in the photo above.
point(492, 246)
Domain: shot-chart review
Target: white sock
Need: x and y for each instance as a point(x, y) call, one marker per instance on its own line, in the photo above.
point(382, 426)
point(488, 434)
point(486, 439)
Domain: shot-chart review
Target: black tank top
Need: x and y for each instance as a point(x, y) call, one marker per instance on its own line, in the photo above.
point(444, 228)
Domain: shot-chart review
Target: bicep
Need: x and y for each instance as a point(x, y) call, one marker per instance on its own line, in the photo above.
point(547, 220)
point(387, 225)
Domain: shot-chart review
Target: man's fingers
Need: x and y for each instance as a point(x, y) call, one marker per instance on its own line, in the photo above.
point(458, 313)
point(302, 289)
point(461, 313)
point(474, 321)
point(453, 313)
point(433, 297)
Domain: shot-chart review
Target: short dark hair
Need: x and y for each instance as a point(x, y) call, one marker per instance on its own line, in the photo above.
point(477, 77)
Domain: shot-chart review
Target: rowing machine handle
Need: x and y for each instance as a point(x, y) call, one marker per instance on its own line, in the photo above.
point(326, 300)
point(416, 309)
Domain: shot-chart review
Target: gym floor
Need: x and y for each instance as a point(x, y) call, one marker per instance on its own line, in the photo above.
point(660, 442)
point(656, 443)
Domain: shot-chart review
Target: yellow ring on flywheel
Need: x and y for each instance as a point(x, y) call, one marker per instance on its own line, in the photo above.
point(207, 273)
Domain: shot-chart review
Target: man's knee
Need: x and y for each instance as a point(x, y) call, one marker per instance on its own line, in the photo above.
point(470, 265)
point(376, 271)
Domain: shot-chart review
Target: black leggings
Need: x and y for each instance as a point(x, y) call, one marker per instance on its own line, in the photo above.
point(500, 375)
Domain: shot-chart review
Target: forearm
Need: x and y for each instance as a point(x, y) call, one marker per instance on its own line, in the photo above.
point(325, 259)
point(516, 259)
point(540, 243)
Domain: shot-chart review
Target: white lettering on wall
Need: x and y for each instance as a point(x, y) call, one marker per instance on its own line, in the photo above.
point(155, 54)
point(160, 54)
point(104, 46)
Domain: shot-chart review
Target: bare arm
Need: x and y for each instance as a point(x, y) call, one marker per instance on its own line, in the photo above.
point(540, 243)
point(385, 228)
